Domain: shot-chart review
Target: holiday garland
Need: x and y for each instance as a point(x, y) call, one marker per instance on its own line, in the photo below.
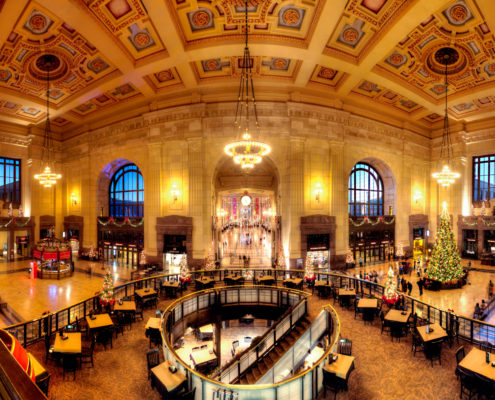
point(127, 221)
point(367, 220)
point(480, 219)
point(13, 219)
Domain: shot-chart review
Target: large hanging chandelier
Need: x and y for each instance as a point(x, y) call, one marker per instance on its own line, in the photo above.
point(47, 177)
point(246, 152)
point(445, 177)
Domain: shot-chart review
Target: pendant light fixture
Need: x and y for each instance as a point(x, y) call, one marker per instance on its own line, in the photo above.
point(446, 56)
point(47, 177)
point(246, 151)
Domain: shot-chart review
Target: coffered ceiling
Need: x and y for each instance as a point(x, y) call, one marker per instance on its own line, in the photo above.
point(117, 58)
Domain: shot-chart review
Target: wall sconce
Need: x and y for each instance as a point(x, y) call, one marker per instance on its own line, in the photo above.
point(174, 193)
point(417, 196)
point(73, 199)
point(318, 192)
point(222, 213)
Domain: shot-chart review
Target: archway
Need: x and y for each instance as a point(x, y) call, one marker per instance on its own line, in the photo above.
point(246, 209)
point(120, 228)
point(372, 194)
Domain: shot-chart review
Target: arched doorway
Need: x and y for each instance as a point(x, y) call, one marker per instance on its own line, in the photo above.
point(246, 223)
point(371, 201)
point(120, 199)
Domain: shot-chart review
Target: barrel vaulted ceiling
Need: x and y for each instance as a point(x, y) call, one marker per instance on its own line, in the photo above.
point(370, 57)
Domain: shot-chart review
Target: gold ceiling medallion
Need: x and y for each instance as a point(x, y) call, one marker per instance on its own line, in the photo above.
point(246, 151)
point(445, 177)
point(46, 177)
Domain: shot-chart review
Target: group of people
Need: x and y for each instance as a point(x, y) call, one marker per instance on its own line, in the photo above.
point(480, 311)
point(369, 276)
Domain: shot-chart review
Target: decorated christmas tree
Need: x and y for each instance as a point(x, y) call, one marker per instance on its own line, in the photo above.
point(400, 250)
point(445, 263)
point(210, 258)
point(142, 259)
point(308, 269)
point(106, 296)
point(281, 255)
point(349, 258)
point(390, 295)
point(185, 276)
point(92, 252)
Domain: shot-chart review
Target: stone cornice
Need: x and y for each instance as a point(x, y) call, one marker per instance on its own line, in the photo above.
point(14, 139)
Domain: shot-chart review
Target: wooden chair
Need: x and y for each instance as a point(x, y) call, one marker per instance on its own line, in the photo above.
point(433, 351)
point(417, 343)
point(69, 364)
point(153, 359)
point(104, 337)
point(189, 395)
point(86, 355)
point(469, 383)
point(332, 383)
point(385, 325)
point(44, 383)
point(345, 347)
point(155, 337)
point(50, 355)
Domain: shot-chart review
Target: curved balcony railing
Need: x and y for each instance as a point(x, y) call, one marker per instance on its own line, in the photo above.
point(304, 385)
point(32, 331)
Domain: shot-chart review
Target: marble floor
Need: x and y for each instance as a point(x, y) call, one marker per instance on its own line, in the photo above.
point(30, 298)
point(462, 301)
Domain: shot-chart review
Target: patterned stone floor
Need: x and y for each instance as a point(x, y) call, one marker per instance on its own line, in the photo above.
point(384, 370)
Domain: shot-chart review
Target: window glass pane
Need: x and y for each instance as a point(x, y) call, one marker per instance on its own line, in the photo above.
point(365, 191)
point(483, 178)
point(126, 190)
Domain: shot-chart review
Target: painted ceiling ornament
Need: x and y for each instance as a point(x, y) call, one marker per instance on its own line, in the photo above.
point(445, 177)
point(164, 76)
point(327, 73)
point(291, 17)
point(246, 151)
point(38, 23)
point(458, 13)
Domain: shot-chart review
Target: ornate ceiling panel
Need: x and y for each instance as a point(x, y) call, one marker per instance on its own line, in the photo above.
point(460, 24)
point(129, 23)
point(473, 107)
point(164, 79)
point(385, 96)
point(361, 25)
point(327, 76)
point(288, 22)
point(77, 65)
point(107, 99)
point(30, 114)
point(275, 67)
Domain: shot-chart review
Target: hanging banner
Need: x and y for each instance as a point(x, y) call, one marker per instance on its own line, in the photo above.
point(64, 255)
point(257, 206)
point(234, 207)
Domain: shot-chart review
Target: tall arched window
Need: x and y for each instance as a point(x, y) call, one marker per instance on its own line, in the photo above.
point(126, 197)
point(365, 191)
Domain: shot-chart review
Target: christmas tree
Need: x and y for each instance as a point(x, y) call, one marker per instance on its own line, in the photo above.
point(142, 259)
point(400, 250)
point(308, 269)
point(281, 255)
point(210, 258)
point(349, 258)
point(185, 276)
point(390, 295)
point(107, 290)
point(445, 264)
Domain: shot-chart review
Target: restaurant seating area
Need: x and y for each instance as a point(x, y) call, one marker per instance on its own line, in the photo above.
point(370, 360)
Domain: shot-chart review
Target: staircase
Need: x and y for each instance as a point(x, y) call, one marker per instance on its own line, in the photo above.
point(257, 370)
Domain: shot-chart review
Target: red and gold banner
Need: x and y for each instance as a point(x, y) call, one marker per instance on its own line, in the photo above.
point(37, 254)
point(64, 255)
point(50, 255)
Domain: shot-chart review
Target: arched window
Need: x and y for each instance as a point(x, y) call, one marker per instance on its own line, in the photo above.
point(126, 197)
point(365, 191)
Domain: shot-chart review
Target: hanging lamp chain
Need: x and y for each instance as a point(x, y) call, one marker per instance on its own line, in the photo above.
point(47, 142)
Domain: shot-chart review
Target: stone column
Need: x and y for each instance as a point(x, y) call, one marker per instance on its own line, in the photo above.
point(296, 197)
point(197, 199)
point(152, 206)
point(339, 203)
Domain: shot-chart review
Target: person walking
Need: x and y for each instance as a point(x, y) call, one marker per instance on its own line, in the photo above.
point(409, 288)
point(490, 289)
point(420, 286)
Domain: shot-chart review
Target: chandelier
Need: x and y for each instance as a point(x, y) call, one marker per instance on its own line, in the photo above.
point(246, 152)
point(446, 56)
point(47, 177)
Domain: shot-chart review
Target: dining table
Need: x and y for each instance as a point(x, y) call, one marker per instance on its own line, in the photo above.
point(99, 321)
point(165, 380)
point(475, 361)
point(125, 305)
point(435, 332)
point(341, 367)
point(68, 343)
